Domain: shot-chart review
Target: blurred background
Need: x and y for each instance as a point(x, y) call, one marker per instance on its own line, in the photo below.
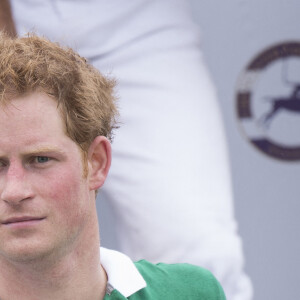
point(265, 182)
point(266, 189)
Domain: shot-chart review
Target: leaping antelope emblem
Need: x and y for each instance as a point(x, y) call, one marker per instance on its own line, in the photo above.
point(290, 102)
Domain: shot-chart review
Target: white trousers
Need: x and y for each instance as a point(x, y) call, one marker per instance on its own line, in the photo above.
point(169, 183)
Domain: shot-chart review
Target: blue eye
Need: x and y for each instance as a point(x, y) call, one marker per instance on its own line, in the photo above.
point(2, 164)
point(42, 159)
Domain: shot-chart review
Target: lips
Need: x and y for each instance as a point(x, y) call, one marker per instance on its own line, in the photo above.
point(21, 219)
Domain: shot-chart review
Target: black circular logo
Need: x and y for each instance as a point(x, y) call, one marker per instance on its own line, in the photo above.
point(268, 101)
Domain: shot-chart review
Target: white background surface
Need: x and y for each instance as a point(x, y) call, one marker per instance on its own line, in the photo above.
point(266, 190)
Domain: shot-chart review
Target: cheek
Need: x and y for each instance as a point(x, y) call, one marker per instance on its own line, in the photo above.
point(66, 192)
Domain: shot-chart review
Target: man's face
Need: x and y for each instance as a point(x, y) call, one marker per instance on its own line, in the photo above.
point(45, 201)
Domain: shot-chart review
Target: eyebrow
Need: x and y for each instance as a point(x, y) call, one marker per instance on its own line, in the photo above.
point(42, 150)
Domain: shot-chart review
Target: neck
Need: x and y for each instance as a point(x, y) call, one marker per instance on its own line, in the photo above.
point(76, 275)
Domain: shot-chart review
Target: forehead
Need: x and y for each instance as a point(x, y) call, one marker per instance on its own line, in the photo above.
point(31, 118)
point(32, 107)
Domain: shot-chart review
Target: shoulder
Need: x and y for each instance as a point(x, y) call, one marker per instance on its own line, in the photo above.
point(177, 281)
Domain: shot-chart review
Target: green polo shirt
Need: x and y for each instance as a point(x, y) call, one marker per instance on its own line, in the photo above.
point(172, 282)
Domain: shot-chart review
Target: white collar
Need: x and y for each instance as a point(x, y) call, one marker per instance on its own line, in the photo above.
point(121, 272)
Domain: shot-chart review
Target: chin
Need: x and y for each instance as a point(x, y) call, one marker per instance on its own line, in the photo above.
point(27, 253)
point(24, 255)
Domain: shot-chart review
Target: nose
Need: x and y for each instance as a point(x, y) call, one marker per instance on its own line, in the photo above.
point(14, 186)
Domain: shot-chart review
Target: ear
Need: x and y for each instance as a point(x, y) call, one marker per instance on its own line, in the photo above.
point(99, 160)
